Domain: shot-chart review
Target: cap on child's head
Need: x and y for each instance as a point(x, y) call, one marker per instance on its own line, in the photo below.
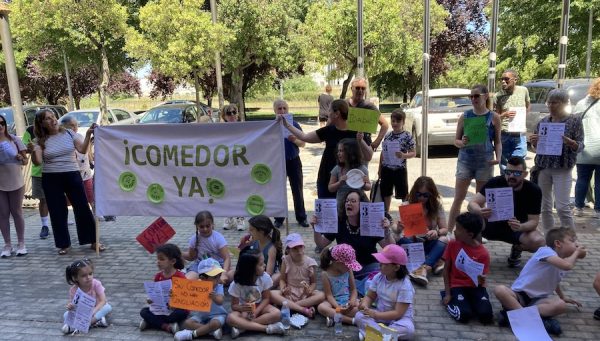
point(210, 267)
point(392, 254)
point(293, 240)
point(345, 254)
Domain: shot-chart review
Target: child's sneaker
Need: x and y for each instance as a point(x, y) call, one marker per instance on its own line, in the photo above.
point(239, 222)
point(101, 323)
point(235, 332)
point(218, 334)
point(552, 326)
point(419, 276)
point(361, 337)
point(439, 267)
point(276, 328)
point(66, 329)
point(228, 223)
point(183, 335)
point(174, 327)
point(329, 322)
point(143, 325)
point(597, 314)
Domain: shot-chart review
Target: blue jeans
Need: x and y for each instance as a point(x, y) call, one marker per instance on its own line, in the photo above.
point(584, 175)
point(434, 249)
point(512, 146)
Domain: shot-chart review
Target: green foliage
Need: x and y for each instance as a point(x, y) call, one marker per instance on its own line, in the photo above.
point(301, 83)
point(464, 72)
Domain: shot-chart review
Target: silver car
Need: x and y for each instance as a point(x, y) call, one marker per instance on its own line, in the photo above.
point(86, 117)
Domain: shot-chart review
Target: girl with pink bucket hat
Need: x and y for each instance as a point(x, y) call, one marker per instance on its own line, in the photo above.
point(393, 292)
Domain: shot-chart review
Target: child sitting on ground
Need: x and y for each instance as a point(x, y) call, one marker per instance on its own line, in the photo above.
point(541, 277)
point(463, 297)
point(203, 323)
point(298, 279)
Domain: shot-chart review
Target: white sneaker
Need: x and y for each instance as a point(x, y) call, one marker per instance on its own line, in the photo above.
point(276, 328)
point(218, 334)
point(174, 327)
point(22, 251)
point(239, 221)
point(361, 337)
point(143, 325)
point(228, 223)
point(101, 323)
point(183, 335)
point(7, 252)
point(578, 212)
point(235, 332)
point(66, 329)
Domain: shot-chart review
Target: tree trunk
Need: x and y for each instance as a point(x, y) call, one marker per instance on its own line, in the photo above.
point(77, 101)
point(197, 91)
point(237, 78)
point(346, 82)
point(104, 86)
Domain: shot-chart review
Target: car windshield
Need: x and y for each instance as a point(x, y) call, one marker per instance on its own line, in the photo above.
point(163, 115)
point(85, 118)
point(578, 92)
point(451, 101)
point(7, 113)
point(537, 94)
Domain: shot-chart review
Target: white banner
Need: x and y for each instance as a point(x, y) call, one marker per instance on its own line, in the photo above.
point(229, 169)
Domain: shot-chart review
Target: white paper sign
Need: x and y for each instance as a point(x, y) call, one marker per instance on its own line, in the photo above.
point(500, 201)
point(290, 120)
point(390, 149)
point(550, 139)
point(517, 123)
point(465, 264)
point(327, 217)
point(371, 219)
point(527, 324)
point(416, 255)
point(159, 294)
point(81, 317)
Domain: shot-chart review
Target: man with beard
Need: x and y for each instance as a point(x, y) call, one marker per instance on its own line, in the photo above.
point(521, 230)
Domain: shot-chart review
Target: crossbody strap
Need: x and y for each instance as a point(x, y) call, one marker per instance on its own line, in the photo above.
point(588, 108)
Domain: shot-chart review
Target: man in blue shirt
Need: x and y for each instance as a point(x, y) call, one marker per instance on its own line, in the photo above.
point(293, 166)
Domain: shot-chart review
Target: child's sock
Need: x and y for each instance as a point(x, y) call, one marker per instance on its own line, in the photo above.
point(45, 220)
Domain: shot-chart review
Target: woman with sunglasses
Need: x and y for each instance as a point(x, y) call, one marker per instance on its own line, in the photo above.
point(12, 158)
point(425, 192)
point(478, 139)
point(555, 177)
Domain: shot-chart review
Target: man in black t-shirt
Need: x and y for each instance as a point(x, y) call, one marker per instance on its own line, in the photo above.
point(520, 231)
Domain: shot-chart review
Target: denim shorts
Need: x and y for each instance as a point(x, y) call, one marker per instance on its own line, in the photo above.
point(467, 171)
point(217, 312)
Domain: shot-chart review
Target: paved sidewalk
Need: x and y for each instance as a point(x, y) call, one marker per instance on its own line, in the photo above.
point(34, 290)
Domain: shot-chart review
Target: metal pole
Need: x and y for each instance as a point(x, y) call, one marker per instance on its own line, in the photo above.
point(281, 88)
point(562, 46)
point(213, 11)
point(11, 71)
point(588, 58)
point(69, 88)
point(425, 90)
point(493, 43)
point(360, 58)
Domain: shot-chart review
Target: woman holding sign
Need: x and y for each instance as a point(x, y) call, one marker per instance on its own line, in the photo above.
point(349, 232)
point(431, 229)
point(478, 140)
point(558, 138)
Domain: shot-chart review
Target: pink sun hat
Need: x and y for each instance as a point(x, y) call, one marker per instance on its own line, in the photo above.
point(392, 254)
point(345, 254)
point(293, 240)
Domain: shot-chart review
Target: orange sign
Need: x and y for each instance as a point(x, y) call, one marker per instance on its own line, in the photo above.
point(158, 233)
point(413, 219)
point(191, 295)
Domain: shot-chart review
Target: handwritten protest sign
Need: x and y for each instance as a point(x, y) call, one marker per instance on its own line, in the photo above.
point(364, 120)
point(191, 295)
point(475, 130)
point(158, 233)
point(413, 219)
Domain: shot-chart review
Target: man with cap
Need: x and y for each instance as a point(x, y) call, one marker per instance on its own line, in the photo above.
point(205, 323)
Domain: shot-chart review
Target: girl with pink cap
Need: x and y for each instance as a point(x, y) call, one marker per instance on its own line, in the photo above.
point(337, 263)
point(393, 292)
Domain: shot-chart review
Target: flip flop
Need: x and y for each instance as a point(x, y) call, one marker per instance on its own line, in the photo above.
point(64, 251)
point(101, 248)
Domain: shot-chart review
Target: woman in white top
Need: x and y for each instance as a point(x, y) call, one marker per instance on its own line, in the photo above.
point(12, 158)
point(55, 149)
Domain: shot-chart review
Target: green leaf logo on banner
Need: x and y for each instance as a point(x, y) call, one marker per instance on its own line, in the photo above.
point(255, 205)
point(215, 187)
point(261, 173)
point(127, 181)
point(363, 120)
point(155, 193)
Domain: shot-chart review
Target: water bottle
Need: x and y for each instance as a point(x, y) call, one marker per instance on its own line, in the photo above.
point(285, 315)
point(337, 319)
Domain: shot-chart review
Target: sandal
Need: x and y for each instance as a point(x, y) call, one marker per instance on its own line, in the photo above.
point(64, 251)
point(101, 248)
point(309, 312)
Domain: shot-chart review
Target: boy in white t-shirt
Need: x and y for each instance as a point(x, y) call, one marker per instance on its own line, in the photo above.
point(541, 277)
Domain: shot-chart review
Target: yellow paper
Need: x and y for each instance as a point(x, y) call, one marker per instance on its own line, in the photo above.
point(363, 120)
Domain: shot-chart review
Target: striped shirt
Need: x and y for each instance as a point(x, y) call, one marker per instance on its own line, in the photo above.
point(59, 154)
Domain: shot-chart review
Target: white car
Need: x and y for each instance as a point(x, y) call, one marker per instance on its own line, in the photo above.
point(445, 107)
point(86, 117)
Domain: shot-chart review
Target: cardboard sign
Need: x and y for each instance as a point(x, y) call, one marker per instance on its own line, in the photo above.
point(363, 120)
point(191, 295)
point(413, 219)
point(475, 129)
point(158, 233)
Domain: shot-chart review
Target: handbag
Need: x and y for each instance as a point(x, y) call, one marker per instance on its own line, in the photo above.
point(375, 195)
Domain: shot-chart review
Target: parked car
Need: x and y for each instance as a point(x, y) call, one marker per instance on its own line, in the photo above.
point(171, 113)
point(538, 93)
point(205, 108)
point(29, 111)
point(86, 117)
point(445, 107)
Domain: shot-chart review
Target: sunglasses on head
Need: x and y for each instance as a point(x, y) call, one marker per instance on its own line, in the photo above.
point(425, 195)
point(231, 113)
point(510, 172)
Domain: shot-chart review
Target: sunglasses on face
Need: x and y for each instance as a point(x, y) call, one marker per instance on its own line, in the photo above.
point(516, 173)
point(506, 79)
point(475, 96)
point(231, 113)
point(425, 195)
point(360, 88)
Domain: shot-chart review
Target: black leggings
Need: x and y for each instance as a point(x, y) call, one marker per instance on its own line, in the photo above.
point(156, 321)
point(468, 302)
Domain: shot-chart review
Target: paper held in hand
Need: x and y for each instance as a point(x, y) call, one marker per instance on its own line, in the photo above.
point(81, 317)
point(416, 255)
point(500, 201)
point(363, 120)
point(327, 217)
point(371, 219)
point(517, 123)
point(191, 295)
point(550, 140)
point(527, 324)
point(389, 151)
point(472, 268)
point(413, 218)
point(159, 293)
point(158, 233)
